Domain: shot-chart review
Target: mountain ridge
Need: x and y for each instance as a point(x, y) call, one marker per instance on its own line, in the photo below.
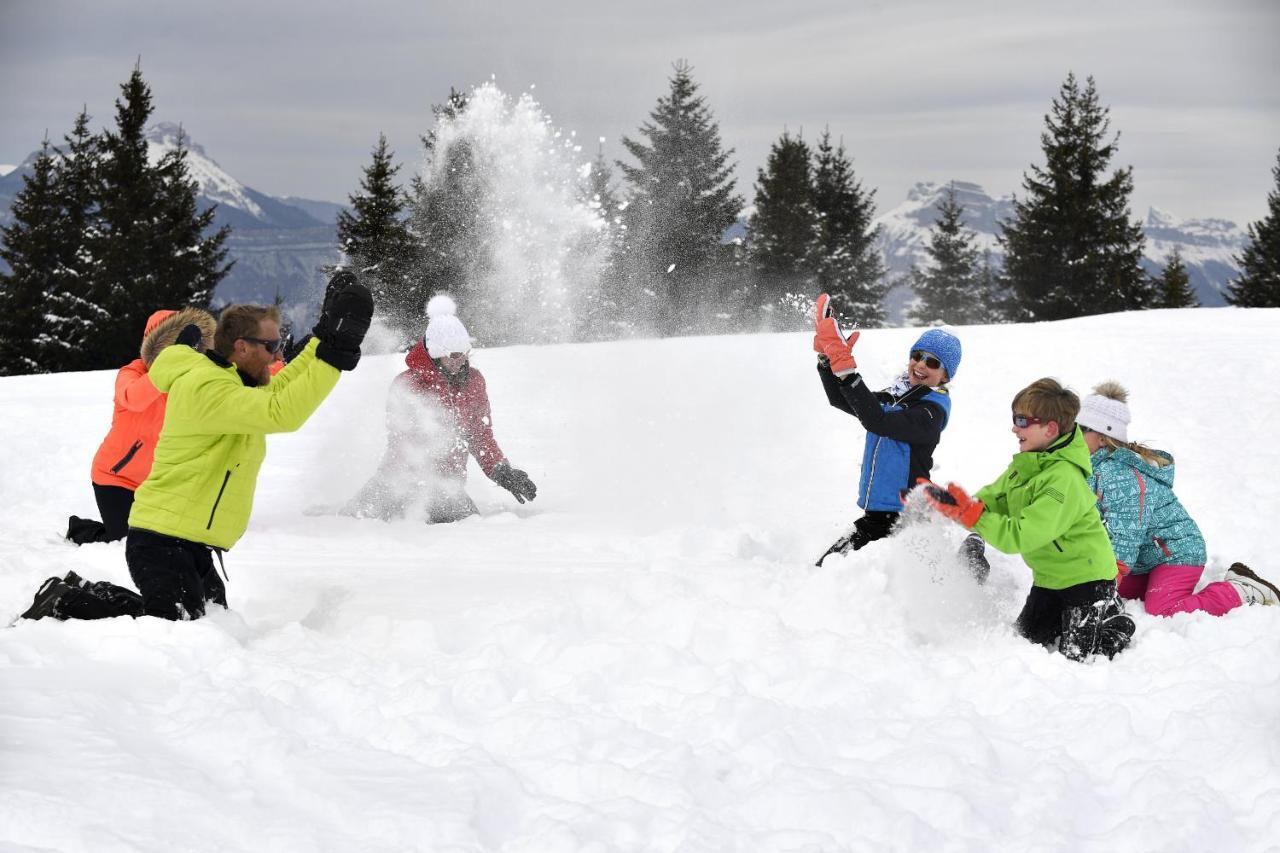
point(282, 245)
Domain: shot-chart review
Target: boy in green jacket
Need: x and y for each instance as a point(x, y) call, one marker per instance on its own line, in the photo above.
point(1042, 508)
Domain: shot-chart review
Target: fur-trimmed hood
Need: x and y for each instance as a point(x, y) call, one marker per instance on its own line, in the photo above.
point(165, 332)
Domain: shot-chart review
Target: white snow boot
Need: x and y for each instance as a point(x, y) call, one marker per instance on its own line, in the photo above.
point(1252, 589)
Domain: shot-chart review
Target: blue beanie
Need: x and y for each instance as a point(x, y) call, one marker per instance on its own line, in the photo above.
point(944, 345)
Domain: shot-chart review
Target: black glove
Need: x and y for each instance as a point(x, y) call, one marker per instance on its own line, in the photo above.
point(343, 322)
point(340, 280)
point(514, 481)
point(191, 336)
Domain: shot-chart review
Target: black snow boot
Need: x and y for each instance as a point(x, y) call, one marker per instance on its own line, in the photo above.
point(1101, 628)
point(46, 600)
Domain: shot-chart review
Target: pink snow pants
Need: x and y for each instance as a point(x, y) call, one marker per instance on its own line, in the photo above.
point(1166, 590)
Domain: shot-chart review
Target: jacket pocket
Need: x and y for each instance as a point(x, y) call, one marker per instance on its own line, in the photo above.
point(127, 458)
point(217, 501)
point(1059, 547)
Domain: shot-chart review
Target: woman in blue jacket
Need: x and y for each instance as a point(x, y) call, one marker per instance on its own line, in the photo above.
point(903, 422)
point(1159, 549)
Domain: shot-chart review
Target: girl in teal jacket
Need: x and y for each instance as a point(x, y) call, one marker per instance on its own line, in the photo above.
point(1158, 547)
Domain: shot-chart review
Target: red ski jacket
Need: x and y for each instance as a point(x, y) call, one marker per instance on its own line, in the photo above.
point(425, 413)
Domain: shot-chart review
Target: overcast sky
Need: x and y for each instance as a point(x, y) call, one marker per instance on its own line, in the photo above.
point(289, 97)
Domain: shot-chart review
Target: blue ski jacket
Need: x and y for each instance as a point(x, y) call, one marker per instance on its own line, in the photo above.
point(1147, 523)
point(902, 433)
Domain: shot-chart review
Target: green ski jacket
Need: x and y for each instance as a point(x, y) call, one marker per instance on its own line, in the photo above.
point(1042, 508)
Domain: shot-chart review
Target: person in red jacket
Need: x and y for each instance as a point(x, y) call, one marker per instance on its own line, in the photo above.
point(124, 458)
point(437, 413)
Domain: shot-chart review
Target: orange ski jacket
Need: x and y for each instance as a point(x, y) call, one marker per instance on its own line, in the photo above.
point(124, 458)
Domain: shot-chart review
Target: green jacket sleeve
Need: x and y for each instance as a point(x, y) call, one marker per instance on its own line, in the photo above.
point(222, 407)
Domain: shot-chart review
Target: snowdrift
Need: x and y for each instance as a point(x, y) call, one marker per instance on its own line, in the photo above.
point(645, 658)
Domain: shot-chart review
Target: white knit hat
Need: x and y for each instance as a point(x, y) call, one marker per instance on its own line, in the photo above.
point(445, 333)
point(1105, 415)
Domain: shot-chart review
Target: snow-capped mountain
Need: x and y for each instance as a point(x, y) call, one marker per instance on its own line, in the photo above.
point(280, 246)
point(238, 205)
point(906, 228)
point(1208, 246)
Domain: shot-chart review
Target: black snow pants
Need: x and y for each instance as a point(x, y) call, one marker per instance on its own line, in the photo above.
point(175, 576)
point(1080, 621)
point(114, 503)
point(873, 525)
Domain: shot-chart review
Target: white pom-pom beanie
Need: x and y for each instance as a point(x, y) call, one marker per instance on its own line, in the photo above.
point(1105, 415)
point(445, 333)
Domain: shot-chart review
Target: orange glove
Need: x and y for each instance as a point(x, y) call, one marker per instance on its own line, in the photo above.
point(1121, 570)
point(954, 503)
point(831, 341)
point(821, 310)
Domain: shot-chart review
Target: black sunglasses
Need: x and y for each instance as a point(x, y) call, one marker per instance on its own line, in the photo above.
point(272, 347)
point(930, 361)
point(1024, 421)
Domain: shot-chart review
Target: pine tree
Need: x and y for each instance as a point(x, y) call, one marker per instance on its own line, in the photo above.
point(376, 237)
point(189, 265)
point(601, 195)
point(1259, 282)
point(1173, 285)
point(34, 250)
point(149, 245)
point(603, 310)
point(70, 311)
point(444, 223)
point(680, 203)
point(847, 256)
point(1070, 248)
point(951, 287)
point(782, 230)
point(998, 304)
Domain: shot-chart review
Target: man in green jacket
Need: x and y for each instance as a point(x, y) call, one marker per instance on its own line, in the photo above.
point(221, 405)
point(1042, 508)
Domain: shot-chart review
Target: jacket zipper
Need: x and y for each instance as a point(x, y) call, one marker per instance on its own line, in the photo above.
point(217, 501)
point(127, 458)
point(1059, 547)
point(871, 475)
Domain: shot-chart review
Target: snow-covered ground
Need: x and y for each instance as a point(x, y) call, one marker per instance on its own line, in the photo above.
point(645, 658)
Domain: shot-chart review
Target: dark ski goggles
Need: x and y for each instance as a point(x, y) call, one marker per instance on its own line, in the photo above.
point(272, 347)
point(930, 361)
point(1024, 421)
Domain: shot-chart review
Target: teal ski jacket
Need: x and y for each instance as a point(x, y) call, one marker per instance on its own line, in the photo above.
point(1147, 523)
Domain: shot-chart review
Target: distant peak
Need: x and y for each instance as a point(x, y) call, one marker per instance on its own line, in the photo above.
point(923, 191)
point(1157, 218)
point(929, 191)
point(166, 133)
point(5, 169)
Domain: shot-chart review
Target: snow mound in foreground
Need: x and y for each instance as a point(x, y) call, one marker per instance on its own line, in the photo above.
point(645, 658)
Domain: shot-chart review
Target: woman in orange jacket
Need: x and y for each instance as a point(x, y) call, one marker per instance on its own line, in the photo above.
point(124, 458)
